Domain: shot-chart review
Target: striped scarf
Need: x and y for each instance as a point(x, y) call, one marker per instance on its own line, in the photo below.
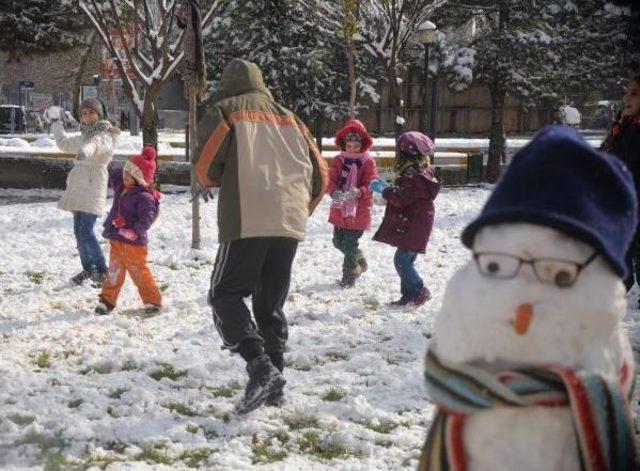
point(600, 409)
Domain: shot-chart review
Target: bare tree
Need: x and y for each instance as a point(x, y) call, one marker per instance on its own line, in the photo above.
point(77, 87)
point(390, 27)
point(153, 56)
point(194, 78)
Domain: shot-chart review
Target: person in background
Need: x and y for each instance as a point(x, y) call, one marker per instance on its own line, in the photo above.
point(410, 213)
point(623, 141)
point(86, 189)
point(136, 203)
point(352, 171)
point(271, 177)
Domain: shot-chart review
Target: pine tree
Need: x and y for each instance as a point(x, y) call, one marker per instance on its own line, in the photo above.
point(304, 69)
point(39, 26)
point(532, 50)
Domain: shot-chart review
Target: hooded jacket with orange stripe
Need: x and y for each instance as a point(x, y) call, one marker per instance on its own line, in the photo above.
point(264, 159)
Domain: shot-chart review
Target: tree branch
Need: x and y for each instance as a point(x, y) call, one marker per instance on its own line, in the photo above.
point(130, 58)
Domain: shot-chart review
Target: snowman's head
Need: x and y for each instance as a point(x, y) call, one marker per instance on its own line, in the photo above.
point(532, 296)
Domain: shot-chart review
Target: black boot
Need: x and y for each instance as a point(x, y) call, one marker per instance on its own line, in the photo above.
point(103, 308)
point(97, 278)
point(349, 276)
point(362, 262)
point(81, 277)
point(264, 380)
point(277, 398)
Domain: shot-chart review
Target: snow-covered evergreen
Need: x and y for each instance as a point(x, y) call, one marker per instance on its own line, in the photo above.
point(38, 27)
point(531, 50)
point(304, 68)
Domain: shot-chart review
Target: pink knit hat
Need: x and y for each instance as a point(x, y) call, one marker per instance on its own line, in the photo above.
point(142, 167)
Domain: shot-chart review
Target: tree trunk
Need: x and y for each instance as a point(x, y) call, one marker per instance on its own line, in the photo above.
point(77, 89)
point(496, 135)
point(351, 59)
point(498, 92)
point(394, 101)
point(149, 120)
point(192, 146)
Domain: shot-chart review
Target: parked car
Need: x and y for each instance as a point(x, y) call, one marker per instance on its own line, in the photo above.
point(13, 119)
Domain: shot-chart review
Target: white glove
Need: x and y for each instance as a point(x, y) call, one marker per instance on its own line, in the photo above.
point(339, 196)
point(353, 193)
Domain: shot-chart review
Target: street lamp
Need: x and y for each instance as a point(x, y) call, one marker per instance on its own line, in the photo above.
point(427, 36)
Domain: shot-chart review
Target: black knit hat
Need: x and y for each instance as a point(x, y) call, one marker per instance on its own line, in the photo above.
point(558, 180)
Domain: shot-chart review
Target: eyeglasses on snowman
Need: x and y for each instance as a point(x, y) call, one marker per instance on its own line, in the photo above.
point(562, 273)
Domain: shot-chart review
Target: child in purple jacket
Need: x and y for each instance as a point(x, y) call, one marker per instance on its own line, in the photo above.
point(135, 207)
point(410, 212)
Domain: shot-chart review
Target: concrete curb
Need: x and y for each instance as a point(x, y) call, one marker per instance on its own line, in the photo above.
point(40, 172)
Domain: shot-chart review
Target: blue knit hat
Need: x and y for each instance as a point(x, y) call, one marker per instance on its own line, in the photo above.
point(559, 181)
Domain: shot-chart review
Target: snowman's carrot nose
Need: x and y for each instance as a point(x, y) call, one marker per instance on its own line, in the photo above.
point(524, 314)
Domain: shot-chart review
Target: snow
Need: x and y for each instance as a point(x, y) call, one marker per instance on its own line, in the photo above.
point(78, 388)
point(97, 394)
point(14, 142)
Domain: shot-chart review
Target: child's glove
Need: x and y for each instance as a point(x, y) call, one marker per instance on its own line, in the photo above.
point(338, 196)
point(352, 194)
point(119, 221)
point(378, 186)
point(128, 234)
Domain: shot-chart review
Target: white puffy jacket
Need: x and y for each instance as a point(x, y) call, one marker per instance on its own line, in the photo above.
point(87, 182)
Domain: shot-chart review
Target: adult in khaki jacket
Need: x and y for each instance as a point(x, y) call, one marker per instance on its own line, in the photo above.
point(271, 178)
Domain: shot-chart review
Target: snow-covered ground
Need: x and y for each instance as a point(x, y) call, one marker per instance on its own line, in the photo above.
point(130, 392)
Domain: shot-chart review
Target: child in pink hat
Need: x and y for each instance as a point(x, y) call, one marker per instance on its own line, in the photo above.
point(135, 207)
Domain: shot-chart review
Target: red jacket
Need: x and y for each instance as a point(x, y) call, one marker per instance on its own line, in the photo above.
point(366, 174)
point(410, 212)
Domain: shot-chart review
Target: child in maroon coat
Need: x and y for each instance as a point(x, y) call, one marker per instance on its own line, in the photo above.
point(352, 171)
point(410, 212)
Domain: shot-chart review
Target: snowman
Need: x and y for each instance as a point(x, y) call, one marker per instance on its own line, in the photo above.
point(529, 366)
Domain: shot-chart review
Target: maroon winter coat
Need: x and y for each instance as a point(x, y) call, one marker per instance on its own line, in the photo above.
point(408, 219)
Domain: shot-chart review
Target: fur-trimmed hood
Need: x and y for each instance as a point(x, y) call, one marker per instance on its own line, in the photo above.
point(88, 131)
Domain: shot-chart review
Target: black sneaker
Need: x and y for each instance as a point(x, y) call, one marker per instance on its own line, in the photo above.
point(403, 301)
point(102, 309)
point(151, 309)
point(264, 381)
point(97, 278)
point(349, 276)
point(81, 277)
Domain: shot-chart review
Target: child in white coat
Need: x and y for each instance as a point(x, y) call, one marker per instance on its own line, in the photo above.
point(86, 190)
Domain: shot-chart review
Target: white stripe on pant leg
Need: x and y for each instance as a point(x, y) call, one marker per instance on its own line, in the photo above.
point(218, 269)
point(223, 263)
point(218, 262)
